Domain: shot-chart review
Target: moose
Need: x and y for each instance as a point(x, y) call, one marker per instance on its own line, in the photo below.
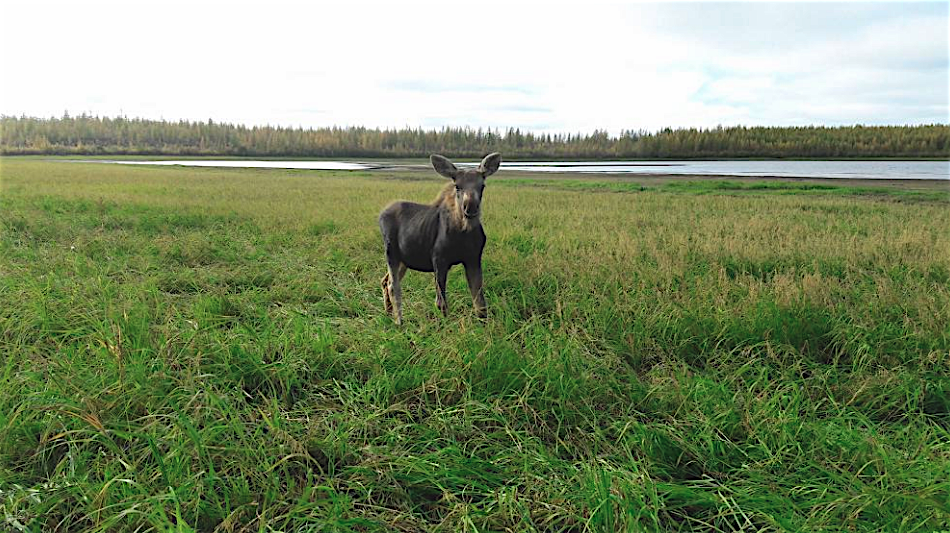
point(437, 236)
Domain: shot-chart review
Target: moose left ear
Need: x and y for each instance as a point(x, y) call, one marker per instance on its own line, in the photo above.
point(490, 164)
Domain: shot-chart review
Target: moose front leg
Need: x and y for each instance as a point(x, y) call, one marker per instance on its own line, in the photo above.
point(441, 275)
point(473, 272)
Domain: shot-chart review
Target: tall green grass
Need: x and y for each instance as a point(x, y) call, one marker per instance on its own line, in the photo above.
point(206, 350)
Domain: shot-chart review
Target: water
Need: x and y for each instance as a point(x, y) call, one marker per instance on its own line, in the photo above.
point(240, 163)
point(909, 170)
point(931, 170)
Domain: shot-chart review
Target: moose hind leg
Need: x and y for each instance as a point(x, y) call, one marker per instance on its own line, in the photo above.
point(396, 272)
point(387, 296)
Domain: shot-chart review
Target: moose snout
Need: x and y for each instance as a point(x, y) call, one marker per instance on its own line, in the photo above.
point(470, 206)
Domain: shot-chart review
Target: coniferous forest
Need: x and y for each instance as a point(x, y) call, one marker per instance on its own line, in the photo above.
point(91, 135)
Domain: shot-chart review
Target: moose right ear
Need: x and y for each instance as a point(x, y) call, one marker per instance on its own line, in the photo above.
point(443, 166)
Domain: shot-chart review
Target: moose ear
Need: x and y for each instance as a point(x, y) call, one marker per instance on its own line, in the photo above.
point(490, 164)
point(443, 166)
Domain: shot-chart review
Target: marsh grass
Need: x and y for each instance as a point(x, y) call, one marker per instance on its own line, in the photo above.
point(206, 350)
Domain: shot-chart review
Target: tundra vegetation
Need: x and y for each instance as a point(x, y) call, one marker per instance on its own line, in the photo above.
point(198, 349)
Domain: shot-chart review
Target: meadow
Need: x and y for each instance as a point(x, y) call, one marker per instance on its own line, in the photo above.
point(197, 349)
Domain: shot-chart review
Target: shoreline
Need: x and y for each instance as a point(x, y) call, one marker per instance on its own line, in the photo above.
point(545, 161)
point(664, 178)
point(421, 170)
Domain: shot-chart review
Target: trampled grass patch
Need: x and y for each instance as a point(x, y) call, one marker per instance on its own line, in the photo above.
point(206, 349)
point(804, 187)
point(726, 186)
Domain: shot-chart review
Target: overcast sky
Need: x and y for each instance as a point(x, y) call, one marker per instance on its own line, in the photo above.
point(542, 66)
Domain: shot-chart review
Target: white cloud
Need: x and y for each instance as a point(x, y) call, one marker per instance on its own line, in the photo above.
point(539, 66)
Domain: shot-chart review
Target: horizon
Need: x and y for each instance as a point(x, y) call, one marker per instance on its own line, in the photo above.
point(632, 67)
point(498, 131)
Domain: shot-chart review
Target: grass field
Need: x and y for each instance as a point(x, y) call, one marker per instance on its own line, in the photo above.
point(186, 349)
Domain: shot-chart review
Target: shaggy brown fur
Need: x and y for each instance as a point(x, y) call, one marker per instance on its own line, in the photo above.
point(446, 200)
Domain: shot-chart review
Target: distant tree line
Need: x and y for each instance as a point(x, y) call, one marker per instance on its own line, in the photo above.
point(90, 135)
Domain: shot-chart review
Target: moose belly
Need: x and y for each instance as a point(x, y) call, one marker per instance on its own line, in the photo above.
point(416, 255)
point(418, 263)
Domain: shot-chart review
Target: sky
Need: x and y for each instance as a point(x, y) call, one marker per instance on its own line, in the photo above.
point(539, 66)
